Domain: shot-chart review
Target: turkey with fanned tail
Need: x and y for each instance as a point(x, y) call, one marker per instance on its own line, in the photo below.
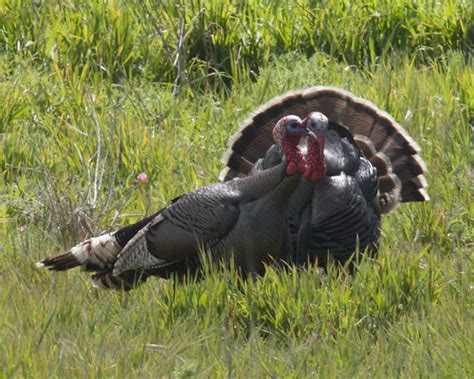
point(244, 220)
point(368, 165)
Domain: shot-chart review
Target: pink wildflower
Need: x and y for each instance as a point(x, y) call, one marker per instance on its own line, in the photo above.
point(22, 228)
point(142, 177)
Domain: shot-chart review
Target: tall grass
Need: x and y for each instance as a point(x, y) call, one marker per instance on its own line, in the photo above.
point(84, 113)
point(177, 42)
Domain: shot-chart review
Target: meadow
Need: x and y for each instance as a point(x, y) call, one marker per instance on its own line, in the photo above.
point(95, 93)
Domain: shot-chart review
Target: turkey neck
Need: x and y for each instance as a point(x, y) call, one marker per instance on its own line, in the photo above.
point(293, 154)
point(264, 182)
point(315, 162)
point(277, 178)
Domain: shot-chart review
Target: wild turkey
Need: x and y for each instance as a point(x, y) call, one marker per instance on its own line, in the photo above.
point(247, 217)
point(372, 165)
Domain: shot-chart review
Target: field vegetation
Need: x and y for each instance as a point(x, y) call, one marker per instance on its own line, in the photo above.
point(95, 93)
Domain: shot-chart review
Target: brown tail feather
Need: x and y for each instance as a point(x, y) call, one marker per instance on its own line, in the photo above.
point(389, 192)
point(382, 163)
point(366, 145)
point(413, 185)
point(385, 143)
point(420, 195)
point(60, 262)
point(408, 166)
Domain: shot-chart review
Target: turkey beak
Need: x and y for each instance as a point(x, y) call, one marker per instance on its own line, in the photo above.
point(307, 129)
point(305, 122)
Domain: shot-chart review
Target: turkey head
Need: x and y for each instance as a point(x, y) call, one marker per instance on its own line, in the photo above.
point(316, 125)
point(287, 133)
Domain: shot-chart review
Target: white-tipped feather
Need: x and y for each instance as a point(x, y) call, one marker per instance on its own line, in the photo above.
point(81, 251)
point(100, 250)
point(422, 180)
point(424, 194)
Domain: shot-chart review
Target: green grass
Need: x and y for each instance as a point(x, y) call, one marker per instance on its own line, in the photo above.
point(74, 136)
point(177, 42)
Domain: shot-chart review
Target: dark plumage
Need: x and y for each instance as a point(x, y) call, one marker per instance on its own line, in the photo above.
point(371, 165)
point(245, 219)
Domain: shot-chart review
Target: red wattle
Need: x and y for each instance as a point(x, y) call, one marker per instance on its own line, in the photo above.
point(315, 162)
point(293, 155)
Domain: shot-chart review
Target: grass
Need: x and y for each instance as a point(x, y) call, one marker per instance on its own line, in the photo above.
point(178, 42)
point(74, 136)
